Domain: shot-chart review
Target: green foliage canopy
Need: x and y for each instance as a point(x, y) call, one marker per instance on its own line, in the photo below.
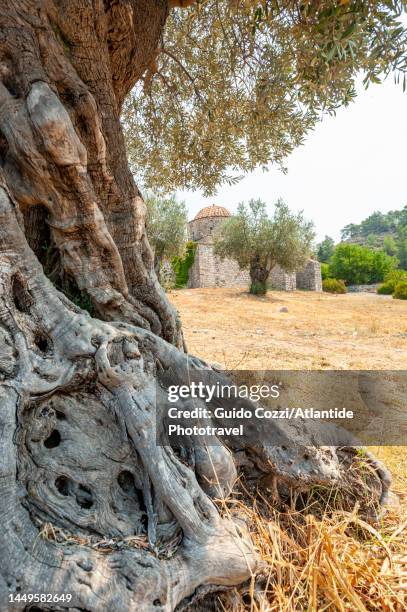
point(166, 226)
point(390, 245)
point(181, 265)
point(358, 265)
point(325, 249)
point(325, 273)
point(401, 243)
point(382, 230)
point(238, 83)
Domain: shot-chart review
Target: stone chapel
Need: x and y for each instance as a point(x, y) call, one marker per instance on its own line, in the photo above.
point(208, 270)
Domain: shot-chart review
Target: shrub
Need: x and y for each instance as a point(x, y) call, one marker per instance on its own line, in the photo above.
point(359, 265)
point(325, 273)
point(333, 285)
point(385, 289)
point(394, 277)
point(391, 279)
point(400, 291)
point(258, 288)
point(181, 265)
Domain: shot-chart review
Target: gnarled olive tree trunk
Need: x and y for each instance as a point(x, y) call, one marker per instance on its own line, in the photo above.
point(133, 525)
point(259, 275)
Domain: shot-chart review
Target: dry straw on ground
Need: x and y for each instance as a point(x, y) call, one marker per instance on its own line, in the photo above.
point(322, 557)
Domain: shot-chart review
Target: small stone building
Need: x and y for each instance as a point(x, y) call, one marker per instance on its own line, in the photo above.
point(208, 270)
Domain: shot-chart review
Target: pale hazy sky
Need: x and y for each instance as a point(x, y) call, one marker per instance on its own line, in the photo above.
point(350, 165)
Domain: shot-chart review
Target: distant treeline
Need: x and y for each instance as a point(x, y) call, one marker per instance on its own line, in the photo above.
point(377, 224)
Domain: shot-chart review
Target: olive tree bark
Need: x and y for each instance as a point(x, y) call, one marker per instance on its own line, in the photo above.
point(133, 524)
point(259, 274)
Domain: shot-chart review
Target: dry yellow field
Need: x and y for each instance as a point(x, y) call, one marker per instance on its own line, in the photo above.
point(347, 564)
point(319, 331)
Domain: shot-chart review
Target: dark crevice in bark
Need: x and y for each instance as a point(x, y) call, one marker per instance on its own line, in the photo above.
point(37, 230)
point(21, 296)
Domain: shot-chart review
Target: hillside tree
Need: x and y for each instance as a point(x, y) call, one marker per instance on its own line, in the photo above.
point(219, 87)
point(390, 246)
point(378, 225)
point(325, 249)
point(401, 243)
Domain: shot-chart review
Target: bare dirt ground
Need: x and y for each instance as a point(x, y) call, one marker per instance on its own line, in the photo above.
point(319, 331)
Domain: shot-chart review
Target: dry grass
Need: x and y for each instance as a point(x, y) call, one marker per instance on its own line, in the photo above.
point(322, 557)
point(319, 331)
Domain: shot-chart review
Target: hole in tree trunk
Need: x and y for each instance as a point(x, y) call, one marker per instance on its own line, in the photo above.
point(21, 296)
point(67, 284)
point(47, 411)
point(39, 238)
point(37, 232)
point(128, 486)
point(53, 440)
point(84, 497)
point(126, 482)
point(42, 343)
point(64, 485)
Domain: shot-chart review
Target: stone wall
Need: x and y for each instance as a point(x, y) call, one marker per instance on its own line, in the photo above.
point(208, 270)
point(281, 280)
point(363, 288)
point(310, 276)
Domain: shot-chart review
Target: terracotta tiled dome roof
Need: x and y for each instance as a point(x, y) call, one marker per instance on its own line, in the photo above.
point(213, 211)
